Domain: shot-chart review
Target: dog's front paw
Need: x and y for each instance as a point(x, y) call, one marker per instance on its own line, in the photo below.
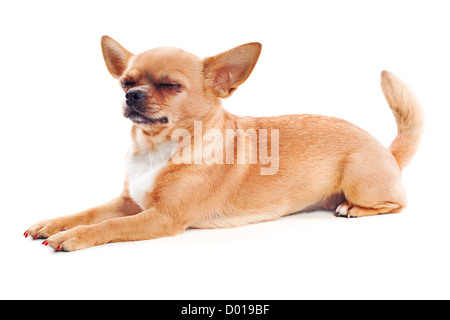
point(78, 238)
point(46, 228)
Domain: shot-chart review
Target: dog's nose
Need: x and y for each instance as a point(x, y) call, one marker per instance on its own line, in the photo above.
point(134, 95)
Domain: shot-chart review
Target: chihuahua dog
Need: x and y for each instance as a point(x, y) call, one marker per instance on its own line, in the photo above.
point(182, 173)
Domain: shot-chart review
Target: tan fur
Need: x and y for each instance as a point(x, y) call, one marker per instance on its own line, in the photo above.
point(323, 161)
point(408, 116)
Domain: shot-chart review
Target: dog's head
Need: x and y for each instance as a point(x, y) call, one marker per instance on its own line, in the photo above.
point(166, 86)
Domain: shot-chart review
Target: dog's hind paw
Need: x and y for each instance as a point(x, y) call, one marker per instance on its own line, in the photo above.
point(343, 210)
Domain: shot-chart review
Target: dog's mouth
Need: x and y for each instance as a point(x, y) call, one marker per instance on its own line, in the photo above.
point(139, 118)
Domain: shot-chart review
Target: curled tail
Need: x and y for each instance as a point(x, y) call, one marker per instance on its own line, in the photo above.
point(408, 115)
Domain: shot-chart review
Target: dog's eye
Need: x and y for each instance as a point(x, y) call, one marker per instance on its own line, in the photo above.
point(169, 85)
point(128, 83)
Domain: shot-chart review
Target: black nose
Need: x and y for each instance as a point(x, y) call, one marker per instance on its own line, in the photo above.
point(134, 95)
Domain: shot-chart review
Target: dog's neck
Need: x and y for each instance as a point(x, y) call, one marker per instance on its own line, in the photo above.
point(150, 139)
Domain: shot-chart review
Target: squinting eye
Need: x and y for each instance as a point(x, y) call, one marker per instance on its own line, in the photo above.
point(128, 83)
point(169, 85)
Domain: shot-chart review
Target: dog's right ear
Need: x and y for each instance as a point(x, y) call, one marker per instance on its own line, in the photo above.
point(225, 72)
point(116, 57)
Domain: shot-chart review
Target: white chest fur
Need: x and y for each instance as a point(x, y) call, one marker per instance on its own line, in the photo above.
point(143, 168)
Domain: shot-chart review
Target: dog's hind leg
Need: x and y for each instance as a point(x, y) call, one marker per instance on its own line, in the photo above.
point(353, 211)
point(372, 186)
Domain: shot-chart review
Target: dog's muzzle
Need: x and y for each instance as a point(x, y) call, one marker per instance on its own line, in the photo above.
point(134, 97)
point(134, 108)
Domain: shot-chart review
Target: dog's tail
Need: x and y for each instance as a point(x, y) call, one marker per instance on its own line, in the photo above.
point(408, 115)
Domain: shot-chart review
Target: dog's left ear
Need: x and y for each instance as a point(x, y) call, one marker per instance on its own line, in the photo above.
point(225, 72)
point(116, 57)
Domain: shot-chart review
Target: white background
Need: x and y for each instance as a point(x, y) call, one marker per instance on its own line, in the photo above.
point(63, 142)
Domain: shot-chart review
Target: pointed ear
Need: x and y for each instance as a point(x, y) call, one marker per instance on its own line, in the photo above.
point(228, 70)
point(116, 57)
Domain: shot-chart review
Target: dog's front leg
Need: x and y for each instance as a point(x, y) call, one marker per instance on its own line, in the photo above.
point(149, 224)
point(118, 207)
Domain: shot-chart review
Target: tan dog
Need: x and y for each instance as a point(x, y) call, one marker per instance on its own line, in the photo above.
point(174, 182)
